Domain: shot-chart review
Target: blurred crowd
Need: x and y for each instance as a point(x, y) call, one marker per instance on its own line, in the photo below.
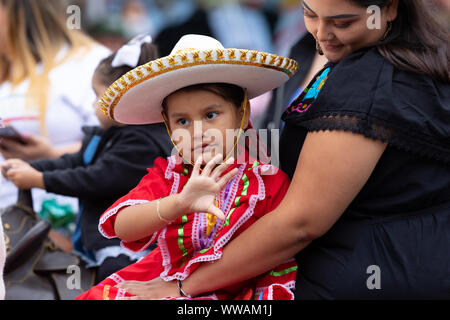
point(268, 25)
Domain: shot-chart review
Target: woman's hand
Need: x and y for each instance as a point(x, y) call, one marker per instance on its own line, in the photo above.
point(22, 174)
point(155, 289)
point(200, 191)
point(35, 148)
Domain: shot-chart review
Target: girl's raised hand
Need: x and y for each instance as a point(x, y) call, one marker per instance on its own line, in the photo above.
point(200, 191)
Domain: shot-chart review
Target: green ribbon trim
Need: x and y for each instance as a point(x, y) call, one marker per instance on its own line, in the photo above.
point(284, 272)
point(237, 202)
point(184, 219)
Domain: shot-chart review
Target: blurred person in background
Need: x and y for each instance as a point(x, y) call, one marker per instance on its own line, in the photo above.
point(192, 19)
point(45, 84)
point(102, 21)
point(242, 24)
point(135, 19)
point(289, 26)
point(112, 160)
point(113, 22)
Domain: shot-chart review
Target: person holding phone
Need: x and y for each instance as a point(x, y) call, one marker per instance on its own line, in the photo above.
point(9, 133)
point(112, 160)
point(45, 85)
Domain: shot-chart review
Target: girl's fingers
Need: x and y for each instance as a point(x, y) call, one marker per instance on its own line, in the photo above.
point(217, 172)
point(226, 178)
point(211, 164)
point(217, 212)
point(197, 165)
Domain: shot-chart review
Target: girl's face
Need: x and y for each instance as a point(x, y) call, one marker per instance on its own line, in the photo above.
point(342, 26)
point(200, 123)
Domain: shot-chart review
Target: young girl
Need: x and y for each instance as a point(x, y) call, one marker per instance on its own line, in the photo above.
point(197, 201)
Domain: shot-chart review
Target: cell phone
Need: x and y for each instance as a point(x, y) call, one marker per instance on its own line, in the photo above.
point(8, 132)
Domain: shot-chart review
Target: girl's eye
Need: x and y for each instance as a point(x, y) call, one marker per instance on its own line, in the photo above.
point(342, 25)
point(182, 122)
point(211, 115)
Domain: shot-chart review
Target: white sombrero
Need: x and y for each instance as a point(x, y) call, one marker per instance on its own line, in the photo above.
point(136, 98)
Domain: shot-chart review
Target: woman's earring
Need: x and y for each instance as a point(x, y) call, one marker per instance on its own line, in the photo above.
point(318, 48)
point(388, 30)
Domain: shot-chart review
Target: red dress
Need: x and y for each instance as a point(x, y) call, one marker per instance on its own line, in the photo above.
point(199, 237)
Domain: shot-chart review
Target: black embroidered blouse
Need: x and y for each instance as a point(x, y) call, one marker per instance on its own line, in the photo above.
point(400, 221)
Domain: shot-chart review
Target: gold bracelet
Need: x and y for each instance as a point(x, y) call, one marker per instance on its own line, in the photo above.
point(159, 213)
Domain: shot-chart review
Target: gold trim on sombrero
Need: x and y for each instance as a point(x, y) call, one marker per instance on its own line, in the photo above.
point(188, 58)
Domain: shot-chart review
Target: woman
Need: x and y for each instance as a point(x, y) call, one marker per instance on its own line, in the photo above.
point(45, 76)
point(367, 212)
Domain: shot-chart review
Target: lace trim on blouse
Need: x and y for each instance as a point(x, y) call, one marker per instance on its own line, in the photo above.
point(404, 139)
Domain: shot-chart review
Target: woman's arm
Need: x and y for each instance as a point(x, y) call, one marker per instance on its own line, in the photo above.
point(331, 170)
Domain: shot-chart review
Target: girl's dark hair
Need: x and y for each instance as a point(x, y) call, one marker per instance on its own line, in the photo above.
point(107, 74)
point(418, 41)
point(229, 92)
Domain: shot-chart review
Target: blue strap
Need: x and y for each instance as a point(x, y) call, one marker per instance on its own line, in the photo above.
point(91, 149)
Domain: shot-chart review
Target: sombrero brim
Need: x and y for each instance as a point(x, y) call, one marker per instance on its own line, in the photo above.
point(136, 98)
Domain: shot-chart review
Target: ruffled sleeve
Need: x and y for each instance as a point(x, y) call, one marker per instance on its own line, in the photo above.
point(152, 186)
point(366, 94)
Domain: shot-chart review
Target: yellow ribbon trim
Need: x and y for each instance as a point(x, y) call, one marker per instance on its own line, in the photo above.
point(106, 292)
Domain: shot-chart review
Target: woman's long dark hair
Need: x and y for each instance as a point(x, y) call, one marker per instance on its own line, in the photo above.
point(418, 41)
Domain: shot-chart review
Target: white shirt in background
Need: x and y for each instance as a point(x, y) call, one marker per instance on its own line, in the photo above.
point(70, 107)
